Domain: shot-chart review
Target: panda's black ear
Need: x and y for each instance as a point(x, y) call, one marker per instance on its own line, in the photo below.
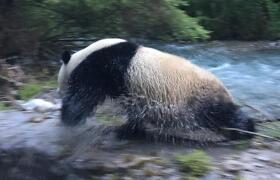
point(65, 57)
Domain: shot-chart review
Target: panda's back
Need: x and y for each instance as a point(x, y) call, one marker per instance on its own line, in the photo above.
point(168, 78)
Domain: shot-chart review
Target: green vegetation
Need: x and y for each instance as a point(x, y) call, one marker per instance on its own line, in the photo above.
point(39, 25)
point(50, 84)
point(238, 19)
point(29, 90)
point(194, 164)
point(4, 106)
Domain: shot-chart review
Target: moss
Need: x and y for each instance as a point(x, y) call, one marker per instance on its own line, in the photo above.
point(238, 177)
point(4, 106)
point(93, 177)
point(28, 90)
point(195, 164)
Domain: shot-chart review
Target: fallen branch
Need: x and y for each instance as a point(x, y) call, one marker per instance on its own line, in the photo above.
point(253, 133)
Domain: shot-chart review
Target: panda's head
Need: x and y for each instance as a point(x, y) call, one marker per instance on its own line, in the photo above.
point(70, 62)
point(239, 126)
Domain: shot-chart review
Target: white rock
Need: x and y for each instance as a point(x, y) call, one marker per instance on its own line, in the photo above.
point(40, 105)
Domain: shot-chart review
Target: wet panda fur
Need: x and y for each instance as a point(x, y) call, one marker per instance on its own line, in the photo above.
point(156, 89)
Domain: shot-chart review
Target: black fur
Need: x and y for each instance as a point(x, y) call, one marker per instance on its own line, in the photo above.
point(66, 57)
point(101, 74)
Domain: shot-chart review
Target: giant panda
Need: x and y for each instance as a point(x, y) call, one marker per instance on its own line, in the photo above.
point(155, 88)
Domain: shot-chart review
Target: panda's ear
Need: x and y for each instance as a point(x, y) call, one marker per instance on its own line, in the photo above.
point(65, 57)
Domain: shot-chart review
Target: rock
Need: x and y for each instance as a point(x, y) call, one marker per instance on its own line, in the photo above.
point(137, 173)
point(150, 172)
point(276, 176)
point(135, 161)
point(170, 171)
point(40, 105)
point(37, 119)
point(155, 178)
point(232, 165)
point(109, 177)
point(126, 178)
point(228, 176)
point(248, 175)
point(174, 177)
point(264, 158)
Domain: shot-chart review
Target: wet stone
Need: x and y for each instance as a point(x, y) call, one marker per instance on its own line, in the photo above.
point(232, 165)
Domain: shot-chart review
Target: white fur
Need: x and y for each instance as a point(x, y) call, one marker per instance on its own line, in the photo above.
point(170, 79)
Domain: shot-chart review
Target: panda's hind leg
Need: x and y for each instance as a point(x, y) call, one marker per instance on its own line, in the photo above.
point(131, 130)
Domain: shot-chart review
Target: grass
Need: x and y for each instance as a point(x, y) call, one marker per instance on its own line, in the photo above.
point(3, 106)
point(29, 90)
point(195, 164)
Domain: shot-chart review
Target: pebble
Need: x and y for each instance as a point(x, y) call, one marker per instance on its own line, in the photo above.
point(263, 158)
point(169, 171)
point(37, 119)
point(232, 165)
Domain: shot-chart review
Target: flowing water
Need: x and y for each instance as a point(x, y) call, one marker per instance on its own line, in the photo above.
point(250, 70)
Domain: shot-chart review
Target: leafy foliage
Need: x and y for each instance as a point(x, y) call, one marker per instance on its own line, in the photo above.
point(159, 19)
point(238, 19)
point(273, 9)
point(39, 24)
